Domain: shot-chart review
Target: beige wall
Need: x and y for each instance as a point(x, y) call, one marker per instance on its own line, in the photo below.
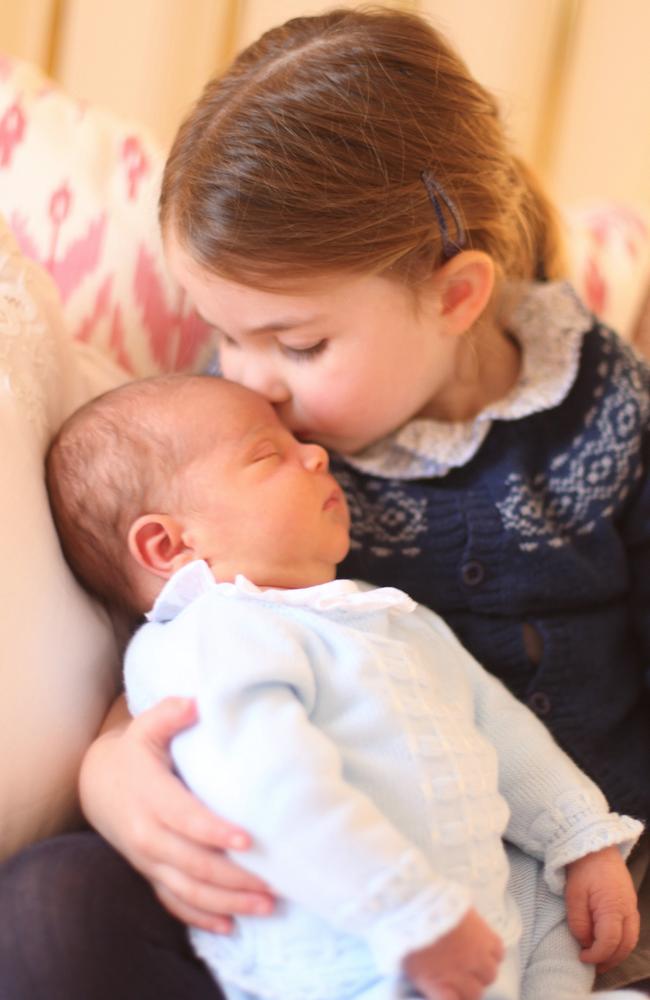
point(573, 75)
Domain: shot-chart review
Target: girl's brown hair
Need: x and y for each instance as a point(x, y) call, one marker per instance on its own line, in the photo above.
point(308, 156)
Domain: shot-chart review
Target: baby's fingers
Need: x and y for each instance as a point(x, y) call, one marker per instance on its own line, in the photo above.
point(629, 939)
point(608, 934)
point(579, 918)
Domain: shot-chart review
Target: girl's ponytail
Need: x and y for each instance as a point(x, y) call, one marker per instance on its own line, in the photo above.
point(539, 225)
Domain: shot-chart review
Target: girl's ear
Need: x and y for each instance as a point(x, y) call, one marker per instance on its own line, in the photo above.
point(464, 286)
point(157, 544)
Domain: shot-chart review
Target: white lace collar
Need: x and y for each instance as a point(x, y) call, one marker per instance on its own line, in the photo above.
point(196, 579)
point(549, 322)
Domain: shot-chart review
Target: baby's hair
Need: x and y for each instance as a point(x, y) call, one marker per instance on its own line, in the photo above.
point(319, 149)
point(114, 459)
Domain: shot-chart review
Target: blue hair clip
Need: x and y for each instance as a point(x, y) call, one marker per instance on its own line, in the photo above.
point(450, 247)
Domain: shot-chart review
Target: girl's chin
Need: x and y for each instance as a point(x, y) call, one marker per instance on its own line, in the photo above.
point(333, 443)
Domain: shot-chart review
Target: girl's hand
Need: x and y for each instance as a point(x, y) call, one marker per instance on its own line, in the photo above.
point(602, 908)
point(130, 795)
point(460, 965)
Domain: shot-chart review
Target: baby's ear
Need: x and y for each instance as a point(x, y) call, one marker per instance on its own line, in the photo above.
point(156, 543)
point(465, 284)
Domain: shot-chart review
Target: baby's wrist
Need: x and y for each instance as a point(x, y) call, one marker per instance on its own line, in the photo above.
point(611, 852)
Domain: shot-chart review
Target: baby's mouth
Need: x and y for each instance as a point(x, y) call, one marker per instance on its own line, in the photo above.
point(334, 499)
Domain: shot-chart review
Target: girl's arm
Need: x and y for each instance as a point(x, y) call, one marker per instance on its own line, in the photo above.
point(130, 795)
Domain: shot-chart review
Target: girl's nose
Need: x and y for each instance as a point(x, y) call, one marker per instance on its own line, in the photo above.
point(314, 458)
point(263, 379)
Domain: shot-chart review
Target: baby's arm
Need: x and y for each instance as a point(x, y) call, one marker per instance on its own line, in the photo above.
point(458, 966)
point(256, 757)
point(559, 816)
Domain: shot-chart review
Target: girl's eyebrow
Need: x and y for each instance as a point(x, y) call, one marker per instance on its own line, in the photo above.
point(276, 326)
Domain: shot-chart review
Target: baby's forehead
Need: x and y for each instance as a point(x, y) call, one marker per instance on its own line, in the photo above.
point(231, 401)
point(221, 411)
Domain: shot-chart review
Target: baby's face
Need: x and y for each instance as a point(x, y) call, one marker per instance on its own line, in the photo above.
point(258, 502)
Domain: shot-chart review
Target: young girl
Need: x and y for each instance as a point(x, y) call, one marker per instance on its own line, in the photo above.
point(344, 207)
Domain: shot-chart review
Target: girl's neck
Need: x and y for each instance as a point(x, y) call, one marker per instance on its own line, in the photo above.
point(488, 366)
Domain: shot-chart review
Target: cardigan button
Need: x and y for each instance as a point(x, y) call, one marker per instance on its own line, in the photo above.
point(473, 573)
point(540, 703)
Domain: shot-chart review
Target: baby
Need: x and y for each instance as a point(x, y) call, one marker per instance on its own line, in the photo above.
point(377, 766)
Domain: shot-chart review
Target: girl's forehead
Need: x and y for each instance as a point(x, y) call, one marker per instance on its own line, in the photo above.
point(228, 304)
point(287, 300)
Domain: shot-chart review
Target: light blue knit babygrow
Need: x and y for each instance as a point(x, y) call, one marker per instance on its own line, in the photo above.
point(377, 767)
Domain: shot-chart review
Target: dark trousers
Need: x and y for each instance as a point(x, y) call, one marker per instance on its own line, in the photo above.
point(77, 923)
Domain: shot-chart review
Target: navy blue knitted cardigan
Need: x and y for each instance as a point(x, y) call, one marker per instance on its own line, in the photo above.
point(548, 524)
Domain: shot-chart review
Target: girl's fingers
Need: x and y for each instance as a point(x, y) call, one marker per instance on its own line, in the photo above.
point(158, 725)
point(191, 916)
point(181, 813)
point(208, 899)
point(201, 865)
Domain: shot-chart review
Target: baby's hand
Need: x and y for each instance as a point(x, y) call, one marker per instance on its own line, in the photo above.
point(602, 908)
point(460, 965)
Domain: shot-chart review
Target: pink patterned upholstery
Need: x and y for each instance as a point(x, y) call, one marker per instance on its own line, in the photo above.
point(609, 248)
point(79, 189)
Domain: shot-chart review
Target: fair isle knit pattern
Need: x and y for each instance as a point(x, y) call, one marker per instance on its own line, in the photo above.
point(590, 480)
point(544, 528)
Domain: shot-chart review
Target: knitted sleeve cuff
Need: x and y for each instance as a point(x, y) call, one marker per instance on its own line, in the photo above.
point(404, 909)
point(611, 830)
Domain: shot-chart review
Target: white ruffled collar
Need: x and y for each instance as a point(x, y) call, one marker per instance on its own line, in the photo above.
point(549, 322)
point(196, 579)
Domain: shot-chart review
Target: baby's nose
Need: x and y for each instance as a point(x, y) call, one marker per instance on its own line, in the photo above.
point(314, 458)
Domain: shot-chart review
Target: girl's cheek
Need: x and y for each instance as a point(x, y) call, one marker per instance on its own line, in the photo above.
point(325, 403)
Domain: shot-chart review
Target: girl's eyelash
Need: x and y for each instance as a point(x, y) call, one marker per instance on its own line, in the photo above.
point(305, 353)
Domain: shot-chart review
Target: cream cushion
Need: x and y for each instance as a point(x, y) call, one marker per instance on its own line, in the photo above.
point(59, 665)
point(78, 189)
